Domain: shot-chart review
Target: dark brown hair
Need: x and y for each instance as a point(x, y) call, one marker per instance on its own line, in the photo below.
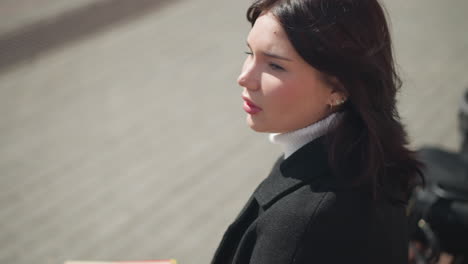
point(350, 41)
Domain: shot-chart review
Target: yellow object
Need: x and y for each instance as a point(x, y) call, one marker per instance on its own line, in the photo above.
point(168, 261)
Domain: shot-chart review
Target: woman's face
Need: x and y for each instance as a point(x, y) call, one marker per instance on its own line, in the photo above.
point(281, 91)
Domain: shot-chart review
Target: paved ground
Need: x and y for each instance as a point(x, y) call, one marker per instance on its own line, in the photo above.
point(129, 142)
point(17, 14)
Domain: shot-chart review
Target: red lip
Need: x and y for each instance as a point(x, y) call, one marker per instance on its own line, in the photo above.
point(250, 107)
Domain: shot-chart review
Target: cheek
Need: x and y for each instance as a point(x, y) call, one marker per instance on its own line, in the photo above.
point(296, 98)
point(273, 86)
point(285, 92)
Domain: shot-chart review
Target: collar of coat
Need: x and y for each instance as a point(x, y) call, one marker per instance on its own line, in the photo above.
point(306, 165)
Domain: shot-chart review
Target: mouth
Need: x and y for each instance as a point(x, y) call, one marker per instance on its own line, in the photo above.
point(250, 107)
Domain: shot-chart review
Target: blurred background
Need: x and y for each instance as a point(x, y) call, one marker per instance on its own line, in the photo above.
point(122, 135)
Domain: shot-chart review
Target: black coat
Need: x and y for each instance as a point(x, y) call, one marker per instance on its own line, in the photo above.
point(300, 214)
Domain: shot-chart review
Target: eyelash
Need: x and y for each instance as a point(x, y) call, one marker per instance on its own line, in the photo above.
point(272, 65)
point(276, 67)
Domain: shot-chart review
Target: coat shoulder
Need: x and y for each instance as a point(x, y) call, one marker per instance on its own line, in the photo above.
point(286, 229)
point(309, 202)
point(348, 225)
point(315, 224)
point(307, 208)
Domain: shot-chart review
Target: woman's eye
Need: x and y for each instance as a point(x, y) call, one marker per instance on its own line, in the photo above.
point(273, 66)
point(276, 67)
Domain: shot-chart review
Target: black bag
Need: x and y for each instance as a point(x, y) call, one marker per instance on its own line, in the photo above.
point(439, 210)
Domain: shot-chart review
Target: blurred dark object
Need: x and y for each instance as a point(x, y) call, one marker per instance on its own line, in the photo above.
point(439, 210)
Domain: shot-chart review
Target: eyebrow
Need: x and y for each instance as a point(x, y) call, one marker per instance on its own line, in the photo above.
point(272, 55)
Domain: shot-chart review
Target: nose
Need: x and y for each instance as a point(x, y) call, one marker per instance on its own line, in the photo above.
point(249, 77)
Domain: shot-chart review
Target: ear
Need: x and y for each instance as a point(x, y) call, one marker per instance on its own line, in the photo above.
point(337, 98)
point(337, 94)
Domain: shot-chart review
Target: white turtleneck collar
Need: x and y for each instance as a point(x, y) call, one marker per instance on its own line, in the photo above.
point(294, 140)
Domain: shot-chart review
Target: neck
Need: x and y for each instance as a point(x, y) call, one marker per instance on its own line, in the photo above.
point(294, 140)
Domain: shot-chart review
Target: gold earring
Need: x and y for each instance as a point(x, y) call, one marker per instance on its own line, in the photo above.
point(337, 103)
point(340, 101)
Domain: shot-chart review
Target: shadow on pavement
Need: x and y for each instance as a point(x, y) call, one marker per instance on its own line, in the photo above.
point(35, 39)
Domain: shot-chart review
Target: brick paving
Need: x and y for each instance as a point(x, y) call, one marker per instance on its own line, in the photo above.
point(130, 143)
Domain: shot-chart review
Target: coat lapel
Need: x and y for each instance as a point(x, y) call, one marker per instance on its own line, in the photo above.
point(233, 235)
point(305, 165)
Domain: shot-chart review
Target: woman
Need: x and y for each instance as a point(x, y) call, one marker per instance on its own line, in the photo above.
point(320, 77)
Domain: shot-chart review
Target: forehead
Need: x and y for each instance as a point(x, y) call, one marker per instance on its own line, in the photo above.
point(267, 33)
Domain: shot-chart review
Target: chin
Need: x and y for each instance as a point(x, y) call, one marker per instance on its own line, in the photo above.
point(257, 129)
point(260, 125)
point(257, 126)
